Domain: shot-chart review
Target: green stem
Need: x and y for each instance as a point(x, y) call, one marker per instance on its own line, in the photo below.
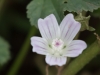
point(23, 52)
point(77, 64)
point(1, 4)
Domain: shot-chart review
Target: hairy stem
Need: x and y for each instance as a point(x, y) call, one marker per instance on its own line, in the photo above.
point(23, 52)
point(47, 69)
point(60, 70)
point(77, 64)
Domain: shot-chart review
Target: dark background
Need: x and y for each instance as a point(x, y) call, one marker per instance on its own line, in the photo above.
point(14, 27)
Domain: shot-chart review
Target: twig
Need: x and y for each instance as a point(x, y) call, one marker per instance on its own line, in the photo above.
point(98, 38)
point(59, 70)
point(47, 69)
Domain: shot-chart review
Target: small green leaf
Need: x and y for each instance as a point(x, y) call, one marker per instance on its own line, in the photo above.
point(84, 22)
point(4, 51)
point(42, 8)
point(91, 29)
point(80, 5)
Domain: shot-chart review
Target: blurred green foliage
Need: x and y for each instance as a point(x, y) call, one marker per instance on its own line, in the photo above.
point(96, 13)
point(4, 51)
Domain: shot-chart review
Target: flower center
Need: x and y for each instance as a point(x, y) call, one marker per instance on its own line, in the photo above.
point(57, 46)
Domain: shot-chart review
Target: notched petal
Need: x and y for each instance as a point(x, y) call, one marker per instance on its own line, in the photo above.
point(52, 24)
point(52, 60)
point(75, 48)
point(69, 28)
point(48, 27)
point(40, 45)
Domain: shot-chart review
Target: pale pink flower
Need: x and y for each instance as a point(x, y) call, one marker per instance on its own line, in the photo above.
point(57, 40)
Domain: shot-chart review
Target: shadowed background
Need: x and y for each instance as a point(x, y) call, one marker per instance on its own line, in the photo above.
point(14, 27)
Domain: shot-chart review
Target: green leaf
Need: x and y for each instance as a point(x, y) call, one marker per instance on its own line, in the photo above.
point(84, 22)
point(80, 5)
point(4, 51)
point(42, 8)
point(91, 29)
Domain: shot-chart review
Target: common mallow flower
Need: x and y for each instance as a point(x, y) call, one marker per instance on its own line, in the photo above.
point(57, 40)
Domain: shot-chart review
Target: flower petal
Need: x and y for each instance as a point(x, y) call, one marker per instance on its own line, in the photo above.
point(43, 29)
point(54, 24)
point(40, 45)
point(52, 60)
point(75, 48)
point(69, 28)
point(48, 27)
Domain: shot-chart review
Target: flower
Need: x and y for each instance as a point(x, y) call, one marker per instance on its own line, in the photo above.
point(57, 41)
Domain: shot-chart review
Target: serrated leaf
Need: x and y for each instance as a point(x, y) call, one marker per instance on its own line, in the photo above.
point(80, 5)
point(42, 8)
point(84, 22)
point(4, 51)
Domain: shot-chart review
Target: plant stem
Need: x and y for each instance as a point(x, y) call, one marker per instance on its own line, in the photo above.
point(77, 64)
point(47, 69)
point(1, 4)
point(60, 70)
point(23, 52)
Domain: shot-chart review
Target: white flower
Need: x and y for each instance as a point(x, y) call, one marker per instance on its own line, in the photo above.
point(57, 41)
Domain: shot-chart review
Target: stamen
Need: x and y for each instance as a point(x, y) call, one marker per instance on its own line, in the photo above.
point(57, 46)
